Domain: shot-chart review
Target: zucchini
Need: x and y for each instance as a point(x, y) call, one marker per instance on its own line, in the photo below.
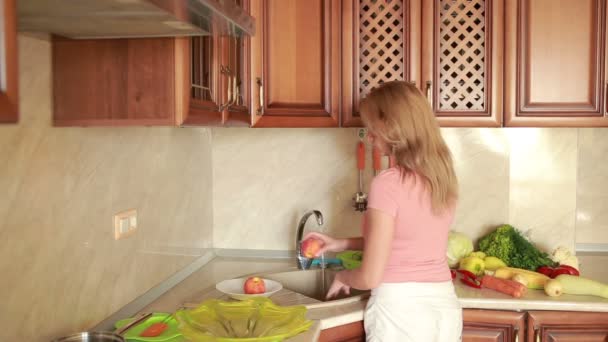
point(582, 286)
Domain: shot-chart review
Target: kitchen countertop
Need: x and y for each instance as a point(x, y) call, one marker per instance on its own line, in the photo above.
point(200, 286)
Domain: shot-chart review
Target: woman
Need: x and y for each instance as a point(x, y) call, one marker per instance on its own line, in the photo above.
point(405, 230)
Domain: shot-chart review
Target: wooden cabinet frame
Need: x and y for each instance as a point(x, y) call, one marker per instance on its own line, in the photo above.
point(9, 89)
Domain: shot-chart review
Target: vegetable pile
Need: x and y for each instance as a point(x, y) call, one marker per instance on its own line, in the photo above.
point(507, 244)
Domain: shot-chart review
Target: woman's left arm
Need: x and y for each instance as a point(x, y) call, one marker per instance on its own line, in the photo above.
point(377, 248)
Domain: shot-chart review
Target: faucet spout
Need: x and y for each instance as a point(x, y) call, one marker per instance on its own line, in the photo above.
point(304, 262)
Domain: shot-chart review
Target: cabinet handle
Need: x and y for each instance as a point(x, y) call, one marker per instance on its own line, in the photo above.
point(536, 334)
point(235, 91)
point(229, 99)
point(516, 334)
point(260, 110)
point(224, 70)
point(429, 92)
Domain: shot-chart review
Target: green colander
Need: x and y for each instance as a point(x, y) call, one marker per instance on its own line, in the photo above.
point(252, 320)
point(350, 259)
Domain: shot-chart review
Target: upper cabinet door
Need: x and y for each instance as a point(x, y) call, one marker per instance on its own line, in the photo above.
point(555, 63)
point(462, 51)
point(381, 43)
point(295, 63)
point(114, 82)
point(8, 62)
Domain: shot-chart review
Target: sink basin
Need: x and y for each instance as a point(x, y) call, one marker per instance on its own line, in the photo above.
point(312, 283)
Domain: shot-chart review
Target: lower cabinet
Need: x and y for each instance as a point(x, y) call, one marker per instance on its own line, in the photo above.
point(508, 326)
point(492, 326)
point(352, 332)
point(567, 326)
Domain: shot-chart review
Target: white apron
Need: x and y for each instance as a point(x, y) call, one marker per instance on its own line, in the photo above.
point(413, 312)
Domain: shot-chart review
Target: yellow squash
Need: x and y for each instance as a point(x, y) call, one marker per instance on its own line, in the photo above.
point(534, 280)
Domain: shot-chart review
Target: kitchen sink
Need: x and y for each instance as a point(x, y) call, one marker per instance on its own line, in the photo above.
point(312, 283)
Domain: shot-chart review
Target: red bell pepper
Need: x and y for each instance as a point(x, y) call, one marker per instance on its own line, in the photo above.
point(571, 270)
point(475, 283)
point(546, 270)
point(469, 278)
point(467, 274)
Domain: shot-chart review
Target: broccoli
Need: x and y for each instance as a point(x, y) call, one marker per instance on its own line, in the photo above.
point(507, 244)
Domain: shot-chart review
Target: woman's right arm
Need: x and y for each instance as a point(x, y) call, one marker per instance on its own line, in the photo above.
point(336, 245)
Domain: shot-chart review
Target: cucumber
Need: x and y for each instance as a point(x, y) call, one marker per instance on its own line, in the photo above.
point(582, 286)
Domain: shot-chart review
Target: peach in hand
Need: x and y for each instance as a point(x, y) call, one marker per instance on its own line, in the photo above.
point(311, 246)
point(254, 285)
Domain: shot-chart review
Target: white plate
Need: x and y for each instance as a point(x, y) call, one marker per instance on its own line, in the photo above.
point(234, 288)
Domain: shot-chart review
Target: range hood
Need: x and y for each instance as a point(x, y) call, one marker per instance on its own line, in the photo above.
point(82, 19)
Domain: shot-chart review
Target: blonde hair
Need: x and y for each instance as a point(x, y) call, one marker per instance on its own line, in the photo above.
point(398, 114)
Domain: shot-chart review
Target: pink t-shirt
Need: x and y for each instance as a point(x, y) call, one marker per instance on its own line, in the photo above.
point(418, 250)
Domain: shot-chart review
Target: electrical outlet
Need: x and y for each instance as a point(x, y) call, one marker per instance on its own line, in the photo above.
point(125, 224)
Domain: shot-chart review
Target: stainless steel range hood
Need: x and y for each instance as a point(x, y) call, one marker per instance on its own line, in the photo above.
point(80, 19)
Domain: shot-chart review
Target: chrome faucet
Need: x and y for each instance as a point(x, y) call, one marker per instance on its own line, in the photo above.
point(304, 262)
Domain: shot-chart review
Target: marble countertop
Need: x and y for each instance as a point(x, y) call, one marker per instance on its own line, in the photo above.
point(200, 285)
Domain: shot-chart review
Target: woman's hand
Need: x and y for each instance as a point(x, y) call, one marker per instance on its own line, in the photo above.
point(329, 244)
point(337, 286)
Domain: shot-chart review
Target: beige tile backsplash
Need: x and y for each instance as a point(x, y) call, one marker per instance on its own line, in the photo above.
point(198, 188)
point(62, 270)
point(264, 180)
point(542, 194)
point(592, 190)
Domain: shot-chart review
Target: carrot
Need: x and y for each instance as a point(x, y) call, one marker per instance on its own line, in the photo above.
point(510, 287)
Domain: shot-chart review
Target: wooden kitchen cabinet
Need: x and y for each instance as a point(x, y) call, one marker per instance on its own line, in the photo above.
point(9, 92)
point(492, 326)
point(381, 43)
point(565, 326)
point(152, 81)
point(218, 72)
point(116, 82)
point(555, 63)
point(451, 49)
point(462, 61)
point(352, 332)
point(295, 63)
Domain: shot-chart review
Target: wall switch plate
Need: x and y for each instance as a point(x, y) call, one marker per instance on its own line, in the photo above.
point(125, 224)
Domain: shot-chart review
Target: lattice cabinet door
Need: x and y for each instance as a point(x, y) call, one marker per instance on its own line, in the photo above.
point(379, 46)
point(462, 49)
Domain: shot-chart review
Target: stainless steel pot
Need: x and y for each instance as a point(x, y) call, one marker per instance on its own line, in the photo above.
point(93, 336)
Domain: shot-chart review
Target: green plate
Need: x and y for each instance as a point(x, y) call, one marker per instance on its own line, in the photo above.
point(170, 334)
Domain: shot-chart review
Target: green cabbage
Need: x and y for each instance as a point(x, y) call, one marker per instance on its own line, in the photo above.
point(459, 246)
